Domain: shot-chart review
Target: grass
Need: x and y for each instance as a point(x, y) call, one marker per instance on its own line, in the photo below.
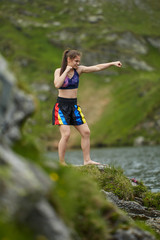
point(113, 180)
point(145, 227)
point(128, 107)
point(77, 198)
point(110, 180)
point(11, 230)
point(80, 203)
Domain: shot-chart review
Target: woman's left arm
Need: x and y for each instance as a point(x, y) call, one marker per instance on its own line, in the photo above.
point(98, 67)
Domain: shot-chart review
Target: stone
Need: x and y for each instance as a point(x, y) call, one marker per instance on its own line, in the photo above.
point(128, 41)
point(133, 234)
point(154, 223)
point(133, 208)
point(38, 87)
point(138, 64)
point(15, 106)
point(139, 141)
point(24, 181)
point(23, 197)
point(94, 19)
point(155, 42)
point(46, 222)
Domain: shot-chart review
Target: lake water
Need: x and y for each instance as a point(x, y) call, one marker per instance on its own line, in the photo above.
point(142, 163)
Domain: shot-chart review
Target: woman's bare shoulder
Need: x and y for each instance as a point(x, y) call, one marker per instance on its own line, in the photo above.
point(80, 69)
point(57, 70)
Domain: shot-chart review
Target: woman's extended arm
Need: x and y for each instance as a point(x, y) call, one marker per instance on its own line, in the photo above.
point(59, 80)
point(99, 67)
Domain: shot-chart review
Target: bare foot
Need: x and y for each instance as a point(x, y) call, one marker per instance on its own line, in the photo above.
point(63, 163)
point(91, 162)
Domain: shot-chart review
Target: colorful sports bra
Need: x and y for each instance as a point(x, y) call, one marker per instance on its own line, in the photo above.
point(71, 83)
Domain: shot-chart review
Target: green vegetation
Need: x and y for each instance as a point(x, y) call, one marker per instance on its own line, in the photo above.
point(78, 200)
point(12, 231)
point(134, 97)
point(145, 227)
point(75, 195)
point(152, 200)
point(113, 180)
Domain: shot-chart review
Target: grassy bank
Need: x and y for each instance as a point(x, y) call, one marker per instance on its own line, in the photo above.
point(77, 197)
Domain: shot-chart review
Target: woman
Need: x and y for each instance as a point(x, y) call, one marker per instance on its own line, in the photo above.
point(66, 112)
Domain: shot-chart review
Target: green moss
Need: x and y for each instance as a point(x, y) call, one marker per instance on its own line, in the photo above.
point(152, 200)
point(147, 228)
point(140, 190)
point(13, 231)
point(29, 148)
point(111, 180)
point(80, 203)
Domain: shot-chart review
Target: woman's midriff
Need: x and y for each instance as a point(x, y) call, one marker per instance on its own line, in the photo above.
point(68, 93)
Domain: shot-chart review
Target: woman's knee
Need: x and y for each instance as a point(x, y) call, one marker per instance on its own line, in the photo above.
point(66, 135)
point(86, 133)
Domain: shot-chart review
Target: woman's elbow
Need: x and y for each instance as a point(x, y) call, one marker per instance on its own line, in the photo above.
point(56, 84)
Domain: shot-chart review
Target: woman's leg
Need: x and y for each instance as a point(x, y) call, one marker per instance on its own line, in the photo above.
point(65, 134)
point(85, 143)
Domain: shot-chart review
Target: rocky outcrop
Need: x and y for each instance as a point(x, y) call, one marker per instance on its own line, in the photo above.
point(132, 234)
point(24, 188)
point(136, 210)
point(15, 105)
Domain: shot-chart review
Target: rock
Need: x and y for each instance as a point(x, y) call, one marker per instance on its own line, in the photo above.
point(111, 37)
point(52, 226)
point(155, 42)
point(38, 87)
point(132, 234)
point(101, 167)
point(15, 106)
point(42, 97)
point(139, 141)
point(137, 64)
point(94, 19)
point(24, 182)
point(23, 198)
point(133, 208)
point(136, 211)
point(154, 223)
point(128, 41)
point(56, 23)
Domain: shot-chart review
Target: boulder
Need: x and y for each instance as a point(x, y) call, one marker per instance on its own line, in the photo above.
point(135, 210)
point(132, 43)
point(24, 188)
point(139, 141)
point(15, 106)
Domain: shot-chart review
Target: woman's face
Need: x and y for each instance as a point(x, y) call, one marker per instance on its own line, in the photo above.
point(74, 62)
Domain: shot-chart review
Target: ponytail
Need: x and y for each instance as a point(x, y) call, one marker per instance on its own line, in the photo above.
point(64, 62)
point(68, 53)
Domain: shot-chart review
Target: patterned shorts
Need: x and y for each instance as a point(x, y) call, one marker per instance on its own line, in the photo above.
point(66, 111)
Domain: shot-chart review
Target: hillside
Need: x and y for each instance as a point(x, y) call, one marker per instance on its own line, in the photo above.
point(119, 104)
